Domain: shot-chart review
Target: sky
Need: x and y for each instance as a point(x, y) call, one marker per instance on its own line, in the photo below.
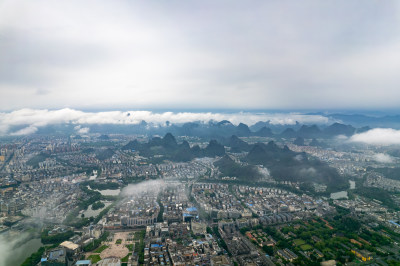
point(237, 55)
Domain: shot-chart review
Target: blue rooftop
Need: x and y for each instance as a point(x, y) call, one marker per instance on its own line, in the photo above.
point(83, 262)
point(191, 209)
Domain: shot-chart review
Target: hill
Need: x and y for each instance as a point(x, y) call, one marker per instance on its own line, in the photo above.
point(299, 141)
point(236, 144)
point(287, 165)
point(264, 132)
point(309, 132)
point(171, 150)
point(229, 167)
point(339, 129)
point(288, 133)
point(105, 154)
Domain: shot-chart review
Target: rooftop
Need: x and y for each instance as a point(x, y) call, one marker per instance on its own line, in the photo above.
point(69, 245)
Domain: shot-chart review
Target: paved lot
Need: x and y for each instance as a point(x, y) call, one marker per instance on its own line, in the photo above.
point(116, 250)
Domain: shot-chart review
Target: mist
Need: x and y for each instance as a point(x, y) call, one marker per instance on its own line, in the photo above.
point(382, 158)
point(11, 251)
point(150, 186)
point(32, 119)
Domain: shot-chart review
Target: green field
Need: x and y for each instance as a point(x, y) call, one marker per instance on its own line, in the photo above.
point(94, 258)
point(306, 247)
point(299, 242)
point(100, 249)
point(119, 241)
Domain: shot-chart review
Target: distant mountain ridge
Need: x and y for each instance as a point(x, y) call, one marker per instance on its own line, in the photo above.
point(225, 129)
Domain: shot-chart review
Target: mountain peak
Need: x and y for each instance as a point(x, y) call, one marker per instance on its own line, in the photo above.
point(169, 140)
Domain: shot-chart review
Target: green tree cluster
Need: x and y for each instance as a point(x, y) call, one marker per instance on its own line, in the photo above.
point(55, 239)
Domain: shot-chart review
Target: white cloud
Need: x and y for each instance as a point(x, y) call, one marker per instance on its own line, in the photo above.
point(25, 131)
point(82, 130)
point(33, 118)
point(299, 157)
point(378, 136)
point(382, 158)
point(150, 186)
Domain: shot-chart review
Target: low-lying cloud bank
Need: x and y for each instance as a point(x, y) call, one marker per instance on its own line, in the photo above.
point(382, 158)
point(150, 186)
point(32, 119)
point(378, 136)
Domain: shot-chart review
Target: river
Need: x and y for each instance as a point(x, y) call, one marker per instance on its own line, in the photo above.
point(27, 249)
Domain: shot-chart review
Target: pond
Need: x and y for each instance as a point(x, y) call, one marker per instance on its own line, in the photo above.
point(109, 192)
point(339, 195)
point(89, 212)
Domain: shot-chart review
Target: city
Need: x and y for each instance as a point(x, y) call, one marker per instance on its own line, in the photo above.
point(92, 201)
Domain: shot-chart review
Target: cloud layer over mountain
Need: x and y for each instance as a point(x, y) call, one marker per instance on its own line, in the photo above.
point(32, 119)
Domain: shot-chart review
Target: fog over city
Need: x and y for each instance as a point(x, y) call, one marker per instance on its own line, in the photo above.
point(152, 186)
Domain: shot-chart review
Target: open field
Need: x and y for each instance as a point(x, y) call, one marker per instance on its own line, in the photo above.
point(117, 247)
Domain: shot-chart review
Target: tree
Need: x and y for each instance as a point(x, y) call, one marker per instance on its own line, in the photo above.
point(269, 250)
